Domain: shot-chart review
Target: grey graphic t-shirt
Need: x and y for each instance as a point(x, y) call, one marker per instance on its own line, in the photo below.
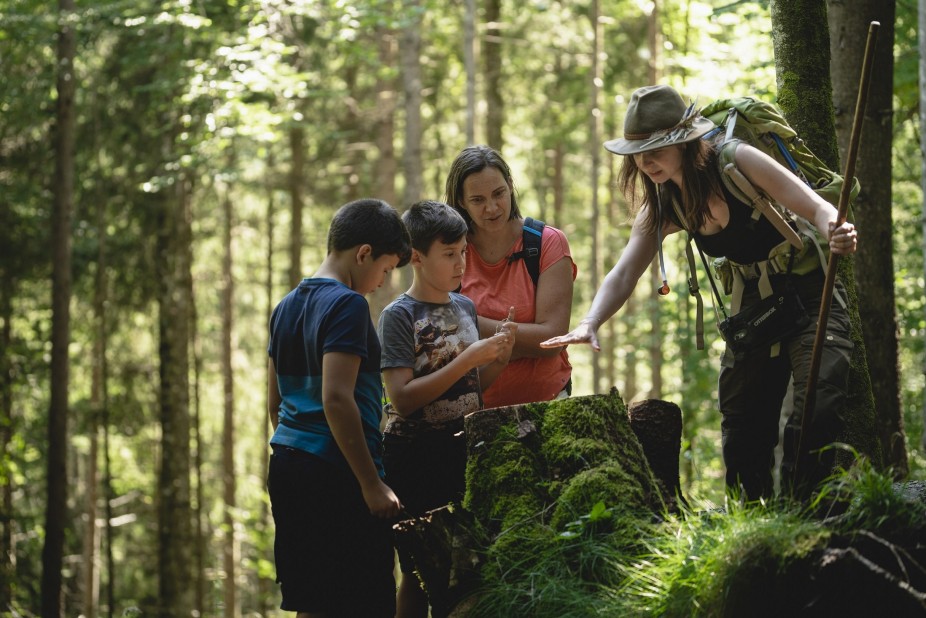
point(425, 337)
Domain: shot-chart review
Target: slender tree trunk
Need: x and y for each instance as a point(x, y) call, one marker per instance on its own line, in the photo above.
point(559, 183)
point(656, 337)
point(90, 587)
point(56, 505)
point(199, 508)
point(108, 501)
point(411, 81)
point(228, 426)
point(492, 71)
point(594, 145)
point(386, 165)
point(6, 436)
point(469, 63)
point(175, 535)
point(296, 177)
point(97, 404)
point(264, 584)
point(802, 62)
point(874, 261)
point(922, 72)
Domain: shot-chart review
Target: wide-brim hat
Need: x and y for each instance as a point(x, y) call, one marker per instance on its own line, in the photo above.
point(658, 117)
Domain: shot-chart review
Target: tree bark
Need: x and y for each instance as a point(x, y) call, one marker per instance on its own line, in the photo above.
point(874, 262)
point(802, 63)
point(199, 509)
point(492, 70)
point(228, 425)
point(469, 63)
point(657, 425)
point(594, 146)
point(264, 584)
point(175, 537)
point(98, 402)
point(655, 309)
point(411, 81)
point(922, 74)
point(63, 190)
point(296, 178)
point(6, 434)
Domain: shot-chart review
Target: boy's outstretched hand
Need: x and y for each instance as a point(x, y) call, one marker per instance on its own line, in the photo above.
point(585, 332)
point(381, 500)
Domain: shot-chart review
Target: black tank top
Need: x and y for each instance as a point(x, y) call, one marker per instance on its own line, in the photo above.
point(744, 240)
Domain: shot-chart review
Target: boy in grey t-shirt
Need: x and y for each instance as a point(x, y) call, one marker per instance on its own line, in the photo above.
point(435, 368)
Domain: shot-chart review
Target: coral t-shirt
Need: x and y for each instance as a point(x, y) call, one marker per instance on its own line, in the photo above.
point(496, 287)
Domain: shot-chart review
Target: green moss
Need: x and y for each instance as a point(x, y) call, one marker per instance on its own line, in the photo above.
point(609, 483)
point(527, 481)
point(504, 481)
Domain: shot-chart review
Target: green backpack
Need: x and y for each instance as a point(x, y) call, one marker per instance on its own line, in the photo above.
point(763, 126)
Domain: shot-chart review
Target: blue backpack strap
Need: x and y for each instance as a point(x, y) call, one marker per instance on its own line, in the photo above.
point(532, 234)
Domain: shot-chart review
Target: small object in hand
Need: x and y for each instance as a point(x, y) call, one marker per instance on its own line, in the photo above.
point(509, 318)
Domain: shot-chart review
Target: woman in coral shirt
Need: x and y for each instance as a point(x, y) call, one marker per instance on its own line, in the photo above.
point(480, 187)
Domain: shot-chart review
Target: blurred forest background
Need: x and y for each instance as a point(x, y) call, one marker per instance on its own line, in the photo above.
point(168, 171)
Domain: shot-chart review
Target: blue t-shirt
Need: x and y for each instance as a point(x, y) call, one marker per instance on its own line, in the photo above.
point(321, 316)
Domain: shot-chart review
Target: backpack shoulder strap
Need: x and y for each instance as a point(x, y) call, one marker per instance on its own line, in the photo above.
point(532, 235)
point(743, 189)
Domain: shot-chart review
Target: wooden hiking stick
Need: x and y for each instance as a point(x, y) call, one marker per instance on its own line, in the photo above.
point(810, 399)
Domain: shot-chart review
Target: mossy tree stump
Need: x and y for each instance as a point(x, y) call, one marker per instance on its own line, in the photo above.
point(544, 464)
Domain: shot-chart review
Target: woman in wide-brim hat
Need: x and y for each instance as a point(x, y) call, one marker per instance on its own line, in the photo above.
point(671, 175)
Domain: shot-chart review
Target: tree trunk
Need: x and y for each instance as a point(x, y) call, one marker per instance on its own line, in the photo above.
point(175, 538)
point(98, 401)
point(228, 425)
point(296, 177)
point(469, 63)
point(655, 309)
point(802, 61)
point(264, 585)
point(386, 165)
point(411, 82)
point(56, 515)
point(108, 511)
point(922, 72)
point(199, 509)
point(874, 261)
point(594, 146)
point(492, 70)
point(6, 434)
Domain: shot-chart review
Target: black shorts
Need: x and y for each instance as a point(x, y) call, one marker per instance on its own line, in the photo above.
point(331, 554)
point(426, 472)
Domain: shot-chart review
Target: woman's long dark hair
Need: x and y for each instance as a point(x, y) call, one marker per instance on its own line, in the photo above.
point(702, 179)
point(471, 160)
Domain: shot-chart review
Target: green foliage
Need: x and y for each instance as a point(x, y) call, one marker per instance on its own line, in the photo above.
point(196, 99)
point(701, 564)
point(533, 571)
point(866, 499)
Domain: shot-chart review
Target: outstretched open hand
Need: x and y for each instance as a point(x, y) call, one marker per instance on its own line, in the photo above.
point(585, 332)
